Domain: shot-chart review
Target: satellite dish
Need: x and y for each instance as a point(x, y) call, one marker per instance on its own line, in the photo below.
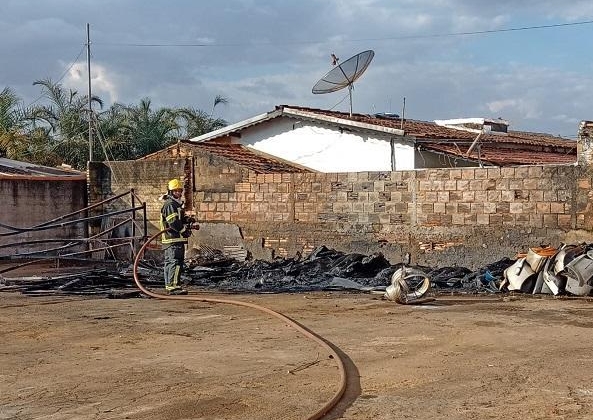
point(344, 74)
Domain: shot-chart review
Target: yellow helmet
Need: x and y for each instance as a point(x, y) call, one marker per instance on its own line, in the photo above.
point(174, 184)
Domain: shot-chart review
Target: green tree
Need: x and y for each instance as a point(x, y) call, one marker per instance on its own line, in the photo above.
point(147, 130)
point(196, 122)
point(112, 131)
point(13, 125)
point(57, 132)
point(67, 117)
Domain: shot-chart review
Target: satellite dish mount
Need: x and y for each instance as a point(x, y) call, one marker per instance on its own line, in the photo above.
point(344, 74)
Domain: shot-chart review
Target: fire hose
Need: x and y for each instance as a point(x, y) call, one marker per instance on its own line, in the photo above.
point(333, 354)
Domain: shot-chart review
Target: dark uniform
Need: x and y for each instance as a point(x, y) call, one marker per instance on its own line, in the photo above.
point(174, 240)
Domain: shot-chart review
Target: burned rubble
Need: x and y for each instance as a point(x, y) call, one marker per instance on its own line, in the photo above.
point(567, 270)
point(323, 269)
point(328, 269)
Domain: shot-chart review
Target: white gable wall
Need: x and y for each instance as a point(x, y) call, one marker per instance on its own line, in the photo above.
point(326, 149)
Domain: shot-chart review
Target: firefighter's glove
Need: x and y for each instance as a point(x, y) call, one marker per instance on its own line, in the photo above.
point(187, 220)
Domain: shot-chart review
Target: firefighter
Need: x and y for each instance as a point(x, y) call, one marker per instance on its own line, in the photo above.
point(177, 230)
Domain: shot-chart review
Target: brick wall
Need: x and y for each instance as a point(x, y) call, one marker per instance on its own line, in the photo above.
point(466, 216)
point(443, 216)
point(148, 179)
point(29, 202)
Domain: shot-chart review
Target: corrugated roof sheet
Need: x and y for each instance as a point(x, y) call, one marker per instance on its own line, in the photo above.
point(16, 169)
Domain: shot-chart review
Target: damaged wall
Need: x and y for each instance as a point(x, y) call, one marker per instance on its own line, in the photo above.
point(31, 201)
point(441, 217)
point(466, 217)
point(148, 178)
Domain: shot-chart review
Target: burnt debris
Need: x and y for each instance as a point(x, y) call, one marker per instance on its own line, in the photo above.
point(323, 269)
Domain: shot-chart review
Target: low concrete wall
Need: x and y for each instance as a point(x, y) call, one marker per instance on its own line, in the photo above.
point(29, 202)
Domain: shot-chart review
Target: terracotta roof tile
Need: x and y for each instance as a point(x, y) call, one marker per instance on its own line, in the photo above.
point(504, 156)
point(248, 157)
point(427, 130)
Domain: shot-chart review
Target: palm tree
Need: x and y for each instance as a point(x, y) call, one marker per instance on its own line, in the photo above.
point(219, 99)
point(67, 119)
point(195, 122)
point(113, 134)
point(13, 125)
point(147, 130)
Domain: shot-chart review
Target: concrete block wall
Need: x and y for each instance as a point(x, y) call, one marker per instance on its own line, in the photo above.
point(584, 143)
point(462, 216)
point(29, 202)
point(469, 216)
point(203, 174)
point(148, 179)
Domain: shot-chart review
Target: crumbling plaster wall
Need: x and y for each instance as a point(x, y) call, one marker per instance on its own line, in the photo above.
point(28, 202)
point(440, 217)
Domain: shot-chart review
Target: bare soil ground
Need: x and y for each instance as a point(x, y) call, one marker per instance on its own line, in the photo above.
point(64, 357)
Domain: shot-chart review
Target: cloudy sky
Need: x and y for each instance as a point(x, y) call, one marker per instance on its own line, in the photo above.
point(529, 62)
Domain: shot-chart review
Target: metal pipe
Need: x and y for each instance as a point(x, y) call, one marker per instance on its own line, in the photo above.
point(474, 144)
point(21, 265)
point(77, 240)
point(43, 251)
point(133, 198)
point(93, 250)
point(112, 228)
point(145, 221)
point(68, 223)
point(88, 63)
point(67, 215)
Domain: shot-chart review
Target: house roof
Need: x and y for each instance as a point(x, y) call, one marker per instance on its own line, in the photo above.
point(14, 169)
point(247, 157)
point(511, 148)
point(494, 155)
point(250, 158)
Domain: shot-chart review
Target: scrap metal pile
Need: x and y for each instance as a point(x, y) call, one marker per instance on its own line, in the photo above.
point(109, 282)
point(566, 270)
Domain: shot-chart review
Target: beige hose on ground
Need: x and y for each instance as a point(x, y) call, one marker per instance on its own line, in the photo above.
point(303, 330)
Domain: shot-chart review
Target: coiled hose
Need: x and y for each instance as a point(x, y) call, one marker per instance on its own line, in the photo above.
point(303, 330)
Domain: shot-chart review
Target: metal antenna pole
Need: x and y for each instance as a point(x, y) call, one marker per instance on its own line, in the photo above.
point(350, 94)
point(88, 62)
point(401, 125)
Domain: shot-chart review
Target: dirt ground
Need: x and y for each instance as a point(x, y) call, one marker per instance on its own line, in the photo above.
point(65, 357)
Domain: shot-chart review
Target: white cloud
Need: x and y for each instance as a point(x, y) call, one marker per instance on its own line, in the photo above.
point(262, 54)
point(101, 80)
point(525, 108)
